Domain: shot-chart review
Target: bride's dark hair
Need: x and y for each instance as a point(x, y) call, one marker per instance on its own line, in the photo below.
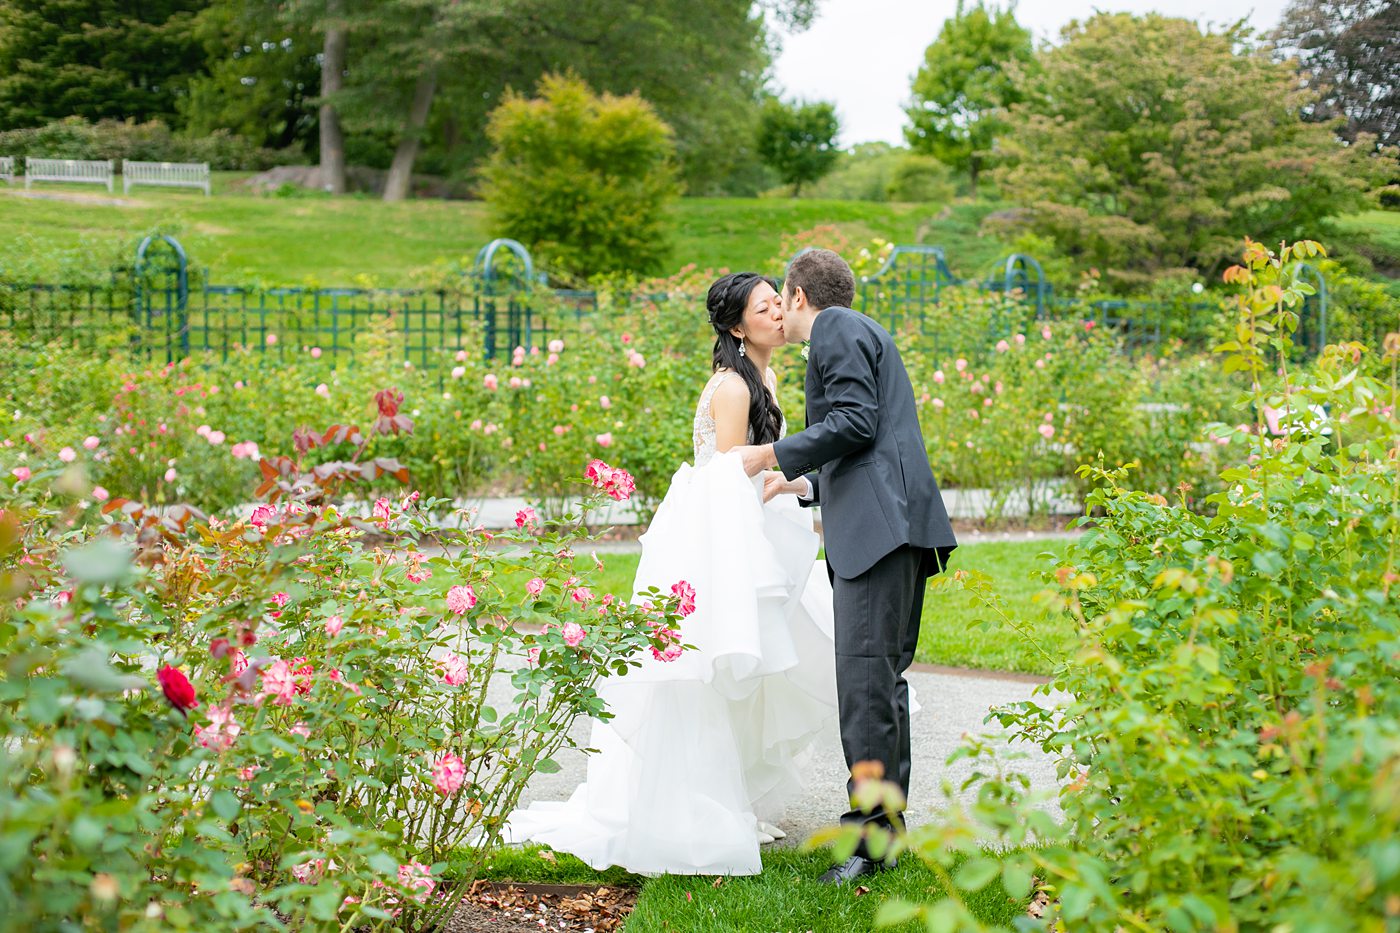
point(726, 301)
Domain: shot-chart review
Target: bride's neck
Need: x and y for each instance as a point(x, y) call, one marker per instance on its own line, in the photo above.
point(760, 359)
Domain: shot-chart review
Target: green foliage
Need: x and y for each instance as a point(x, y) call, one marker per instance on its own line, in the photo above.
point(583, 180)
point(96, 59)
point(75, 138)
point(798, 141)
point(972, 72)
point(1230, 725)
point(920, 178)
point(1199, 139)
point(331, 739)
point(1348, 48)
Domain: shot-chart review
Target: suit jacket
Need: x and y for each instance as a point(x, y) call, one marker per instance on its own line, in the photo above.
point(864, 448)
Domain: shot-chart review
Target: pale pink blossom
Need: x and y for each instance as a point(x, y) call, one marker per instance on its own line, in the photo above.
point(215, 437)
point(515, 382)
point(279, 682)
point(309, 872)
point(458, 372)
point(535, 586)
point(315, 353)
point(272, 340)
point(526, 517)
point(938, 403)
point(68, 455)
point(262, 516)
point(246, 774)
point(419, 876)
point(490, 381)
point(454, 670)
point(333, 625)
point(551, 359)
point(986, 403)
point(21, 473)
point(301, 729)
point(614, 481)
point(1045, 332)
point(220, 732)
point(1039, 364)
point(62, 598)
point(280, 599)
point(559, 430)
point(100, 494)
point(1020, 339)
point(938, 376)
point(203, 430)
point(686, 594)
point(532, 656)
point(461, 356)
point(582, 595)
point(556, 346)
point(667, 654)
point(460, 599)
point(605, 439)
point(170, 475)
point(1003, 346)
point(636, 359)
point(1047, 431)
point(960, 364)
point(92, 442)
point(573, 634)
point(449, 772)
point(1049, 416)
point(604, 403)
point(381, 510)
point(997, 387)
point(323, 390)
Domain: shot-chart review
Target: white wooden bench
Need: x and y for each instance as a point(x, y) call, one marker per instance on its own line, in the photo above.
point(165, 174)
point(7, 168)
point(98, 172)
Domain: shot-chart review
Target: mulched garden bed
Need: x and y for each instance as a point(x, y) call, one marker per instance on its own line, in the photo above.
point(503, 907)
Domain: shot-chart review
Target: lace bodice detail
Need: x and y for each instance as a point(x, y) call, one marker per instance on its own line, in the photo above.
point(703, 437)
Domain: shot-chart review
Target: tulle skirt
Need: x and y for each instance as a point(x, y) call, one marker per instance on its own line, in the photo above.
point(701, 748)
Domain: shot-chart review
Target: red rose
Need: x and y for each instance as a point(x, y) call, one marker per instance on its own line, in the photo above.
point(219, 647)
point(177, 688)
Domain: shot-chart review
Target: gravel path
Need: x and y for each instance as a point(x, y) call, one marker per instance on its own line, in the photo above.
point(952, 703)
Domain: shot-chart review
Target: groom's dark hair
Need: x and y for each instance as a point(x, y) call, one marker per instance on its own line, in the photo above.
point(824, 278)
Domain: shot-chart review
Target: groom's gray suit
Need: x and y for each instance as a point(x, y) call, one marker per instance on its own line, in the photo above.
point(886, 527)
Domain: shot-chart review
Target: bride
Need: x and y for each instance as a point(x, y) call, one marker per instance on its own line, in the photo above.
point(703, 752)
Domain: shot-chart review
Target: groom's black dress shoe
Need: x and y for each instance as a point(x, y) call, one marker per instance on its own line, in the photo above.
point(853, 868)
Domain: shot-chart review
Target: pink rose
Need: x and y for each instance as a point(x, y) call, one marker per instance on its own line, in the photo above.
point(515, 382)
point(1049, 416)
point(170, 475)
point(1020, 339)
point(460, 599)
point(524, 517)
point(960, 364)
point(272, 340)
point(461, 356)
point(532, 657)
point(938, 376)
point(605, 439)
point(315, 353)
point(261, 517)
point(448, 773)
point(1003, 346)
point(215, 437)
point(67, 455)
point(280, 599)
point(334, 625)
point(1045, 332)
point(381, 509)
point(535, 586)
point(582, 595)
point(556, 346)
point(454, 670)
point(323, 390)
point(490, 381)
point(573, 634)
point(604, 403)
point(21, 473)
point(100, 494)
point(551, 359)
point(458, 372)
point(686, 592)
point(1047, 431)
point(938, 403)
point(91, 442)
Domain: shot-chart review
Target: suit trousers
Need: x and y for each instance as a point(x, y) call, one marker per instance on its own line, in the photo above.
point(877, 629)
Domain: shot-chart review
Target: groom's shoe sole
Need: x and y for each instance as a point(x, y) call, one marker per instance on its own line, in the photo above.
point(853, 868)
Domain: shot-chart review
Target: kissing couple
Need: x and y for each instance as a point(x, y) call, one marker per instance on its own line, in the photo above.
point(702, 754)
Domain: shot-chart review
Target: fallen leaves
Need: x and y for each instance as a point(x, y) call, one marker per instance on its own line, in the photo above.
point(576, 908)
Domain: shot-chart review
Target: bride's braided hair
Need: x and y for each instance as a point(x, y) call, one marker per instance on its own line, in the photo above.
point(726, 301)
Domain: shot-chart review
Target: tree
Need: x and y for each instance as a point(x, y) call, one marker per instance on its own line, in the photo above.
point(969, 76)
point(798, 141)
point(95, 59)
point(581, 179)
point(1145, 145)
point(1351, 51)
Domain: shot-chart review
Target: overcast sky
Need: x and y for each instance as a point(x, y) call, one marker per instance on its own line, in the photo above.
point(862, 54)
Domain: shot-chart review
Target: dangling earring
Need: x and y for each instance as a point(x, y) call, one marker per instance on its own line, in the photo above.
point(742, 351)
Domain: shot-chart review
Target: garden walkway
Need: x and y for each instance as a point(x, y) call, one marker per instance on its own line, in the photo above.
point(952, 703)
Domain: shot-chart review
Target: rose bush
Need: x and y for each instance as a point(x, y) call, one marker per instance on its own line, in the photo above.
point(1228, 731)
point(206, 720)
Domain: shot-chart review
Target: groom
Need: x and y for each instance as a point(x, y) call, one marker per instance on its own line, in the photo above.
point(862, 459)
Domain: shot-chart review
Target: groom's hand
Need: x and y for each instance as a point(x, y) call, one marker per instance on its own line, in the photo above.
point(757, 459)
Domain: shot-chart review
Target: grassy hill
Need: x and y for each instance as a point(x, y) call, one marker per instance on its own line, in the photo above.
point(240, 237)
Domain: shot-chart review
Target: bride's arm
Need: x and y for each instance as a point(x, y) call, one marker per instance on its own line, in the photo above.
point(729, 406)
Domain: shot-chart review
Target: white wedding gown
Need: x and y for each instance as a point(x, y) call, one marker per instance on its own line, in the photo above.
point(702, 748)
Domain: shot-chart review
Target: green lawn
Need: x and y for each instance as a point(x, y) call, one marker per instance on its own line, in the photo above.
point(950, 633)
point(242, 238)
point(786, 896)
